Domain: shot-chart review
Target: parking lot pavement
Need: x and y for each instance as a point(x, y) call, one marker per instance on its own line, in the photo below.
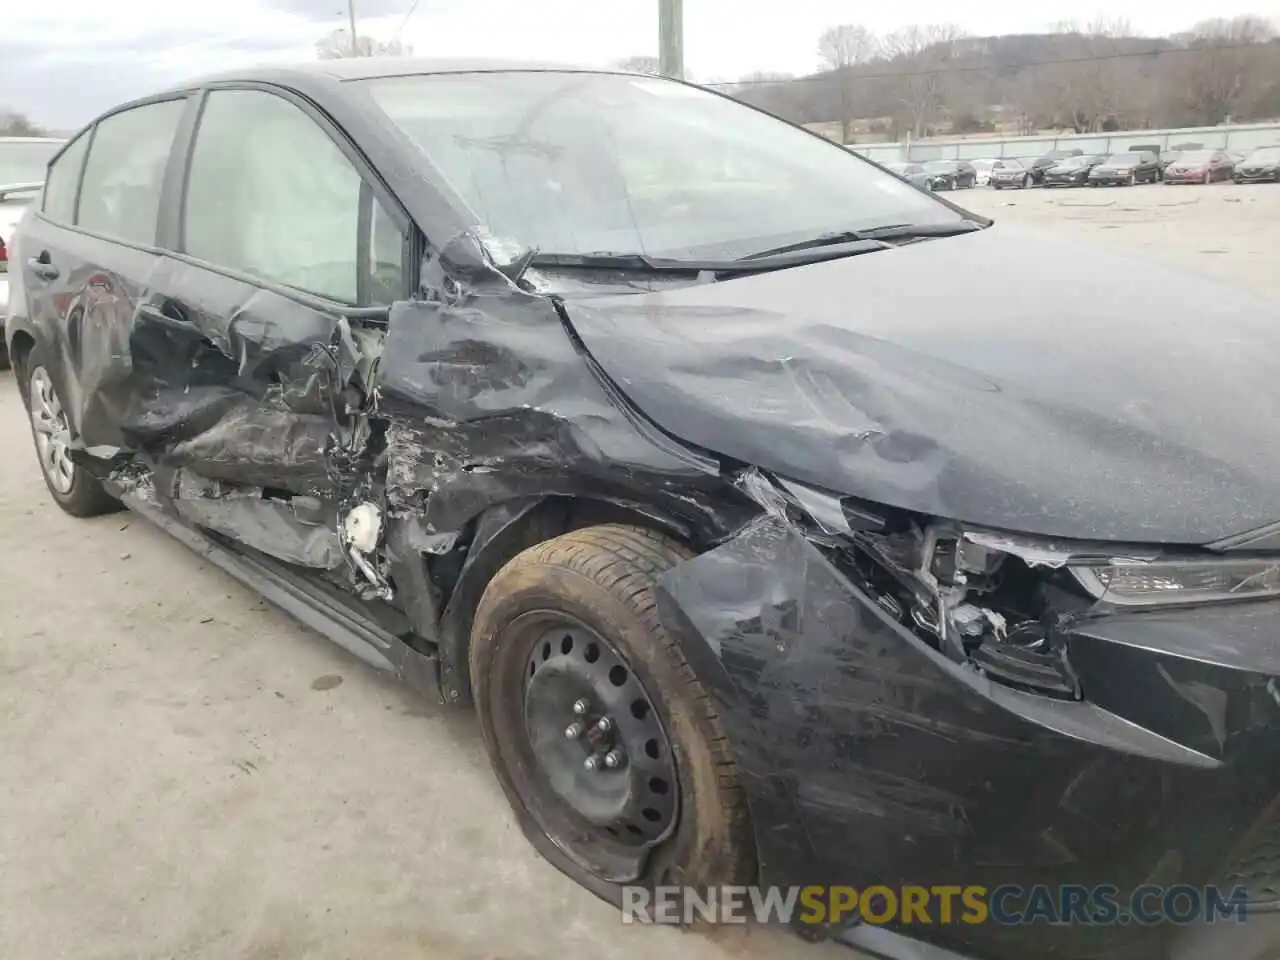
point(188, 773)
point(1225, 230)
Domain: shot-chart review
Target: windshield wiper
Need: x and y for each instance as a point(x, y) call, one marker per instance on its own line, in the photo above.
point(889, 231)
point(772, 260)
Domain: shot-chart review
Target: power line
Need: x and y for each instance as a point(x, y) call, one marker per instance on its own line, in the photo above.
point(403, 23)
point(989, 68)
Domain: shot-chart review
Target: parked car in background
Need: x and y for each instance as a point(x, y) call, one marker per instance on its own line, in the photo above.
point(1200, 166)
point(1261, 165)
point(23, 162)
point(913, 173)
point(1071, 172)
point(1012, 173)
point(986, 166)
point(1170, 156)
point(1125, 169)
point(1043, 163)
point(951, 174)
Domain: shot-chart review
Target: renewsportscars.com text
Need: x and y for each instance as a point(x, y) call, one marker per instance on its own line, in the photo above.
point(939, 904)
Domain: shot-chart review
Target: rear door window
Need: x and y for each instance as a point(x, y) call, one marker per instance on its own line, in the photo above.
point(63, 181)
point(124, 174)
point(270, 194)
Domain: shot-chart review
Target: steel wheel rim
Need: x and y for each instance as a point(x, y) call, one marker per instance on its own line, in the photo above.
point(595, 736)
point(52, 432)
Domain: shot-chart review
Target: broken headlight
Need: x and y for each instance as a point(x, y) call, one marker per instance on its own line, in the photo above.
point(990, 602)
point(1131, 583)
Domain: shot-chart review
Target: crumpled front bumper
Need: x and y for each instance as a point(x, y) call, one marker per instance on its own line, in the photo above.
point(869, 758)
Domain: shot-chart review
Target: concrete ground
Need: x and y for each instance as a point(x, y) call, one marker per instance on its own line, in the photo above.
point(186, 773)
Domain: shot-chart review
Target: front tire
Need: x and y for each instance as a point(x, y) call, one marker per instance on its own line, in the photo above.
point(570, 667)
point(72, 487)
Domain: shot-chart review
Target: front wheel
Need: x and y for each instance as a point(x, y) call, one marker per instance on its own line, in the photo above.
point(607, 746)
point(74, 489)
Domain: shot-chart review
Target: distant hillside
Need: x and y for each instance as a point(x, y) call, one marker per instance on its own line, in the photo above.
point(932, 80)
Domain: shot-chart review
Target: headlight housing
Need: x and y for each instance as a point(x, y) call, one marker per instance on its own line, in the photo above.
point(1161, 582)
point(1002, 603)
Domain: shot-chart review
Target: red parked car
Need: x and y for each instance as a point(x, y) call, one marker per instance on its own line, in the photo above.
point(1200, 166)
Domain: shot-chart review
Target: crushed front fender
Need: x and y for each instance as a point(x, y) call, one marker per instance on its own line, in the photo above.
point(870, 758)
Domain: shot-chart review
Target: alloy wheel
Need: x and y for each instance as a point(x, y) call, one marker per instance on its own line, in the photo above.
point(52, 432)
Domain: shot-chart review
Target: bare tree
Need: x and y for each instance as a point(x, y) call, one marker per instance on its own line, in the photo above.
point(1089, 87)
point(640, 64)
point(923, 54)
point(1225, 60)
point(337, 46)
point(17, 125)
point(773, 92)
point(842, 48)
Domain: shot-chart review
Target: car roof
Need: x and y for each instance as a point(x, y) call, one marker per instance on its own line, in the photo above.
point(367, 68)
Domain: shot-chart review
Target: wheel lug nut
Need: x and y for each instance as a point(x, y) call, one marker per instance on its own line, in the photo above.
point(574, 730)
point(604, 725)
point(592, 762)
point(580, 706)
point(613, 759)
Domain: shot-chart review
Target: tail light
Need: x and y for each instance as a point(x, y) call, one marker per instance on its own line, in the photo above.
point(4, 257)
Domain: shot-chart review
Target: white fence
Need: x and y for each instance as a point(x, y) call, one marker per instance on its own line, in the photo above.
point(1235, 137)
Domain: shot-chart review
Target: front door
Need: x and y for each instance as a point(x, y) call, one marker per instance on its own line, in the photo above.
point(267, 325)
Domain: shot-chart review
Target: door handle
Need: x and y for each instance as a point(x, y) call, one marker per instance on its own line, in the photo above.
point(166, 313)
point(42, 268)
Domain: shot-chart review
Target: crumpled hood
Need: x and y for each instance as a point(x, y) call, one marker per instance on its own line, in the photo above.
point(1001, 378)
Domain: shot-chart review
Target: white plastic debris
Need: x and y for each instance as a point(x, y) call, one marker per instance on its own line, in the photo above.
point(362, 526)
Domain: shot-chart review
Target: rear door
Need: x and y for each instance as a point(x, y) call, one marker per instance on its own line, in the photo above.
point(89, 254)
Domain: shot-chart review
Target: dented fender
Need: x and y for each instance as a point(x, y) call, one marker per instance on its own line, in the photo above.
point(869, 757)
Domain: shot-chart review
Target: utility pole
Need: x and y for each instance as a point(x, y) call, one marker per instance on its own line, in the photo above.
point(671, 38)
point(351, 13)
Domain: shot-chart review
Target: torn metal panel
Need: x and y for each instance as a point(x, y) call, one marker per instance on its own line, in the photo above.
point(869, 757)
point(488, 397)
point(227, 379)
point(828, 374)
point(275, 527)
point(260, 445)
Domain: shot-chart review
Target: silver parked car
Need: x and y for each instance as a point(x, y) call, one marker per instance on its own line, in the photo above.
point(23, 161)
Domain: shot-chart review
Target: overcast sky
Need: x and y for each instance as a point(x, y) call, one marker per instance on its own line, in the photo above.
point(63, 61)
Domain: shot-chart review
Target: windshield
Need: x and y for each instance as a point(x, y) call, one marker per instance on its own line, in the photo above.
point(1266, 155)
point(578, 163)
point(26, 161)
point(1195, 156)
point(1123, 160)
point(983, 164)
point(1071, 163)
point(940, 166)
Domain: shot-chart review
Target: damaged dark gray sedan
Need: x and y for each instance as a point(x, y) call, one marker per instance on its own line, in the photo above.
point(774, 537)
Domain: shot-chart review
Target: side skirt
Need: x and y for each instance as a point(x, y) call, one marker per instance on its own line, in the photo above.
point(355, 632)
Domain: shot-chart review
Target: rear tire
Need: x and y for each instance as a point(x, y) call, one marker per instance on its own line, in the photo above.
point(72, 487)
point(575, 619)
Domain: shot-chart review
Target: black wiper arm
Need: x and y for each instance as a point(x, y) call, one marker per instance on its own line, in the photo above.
point(758, 262)
point(905, 231)
point(890, 231)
